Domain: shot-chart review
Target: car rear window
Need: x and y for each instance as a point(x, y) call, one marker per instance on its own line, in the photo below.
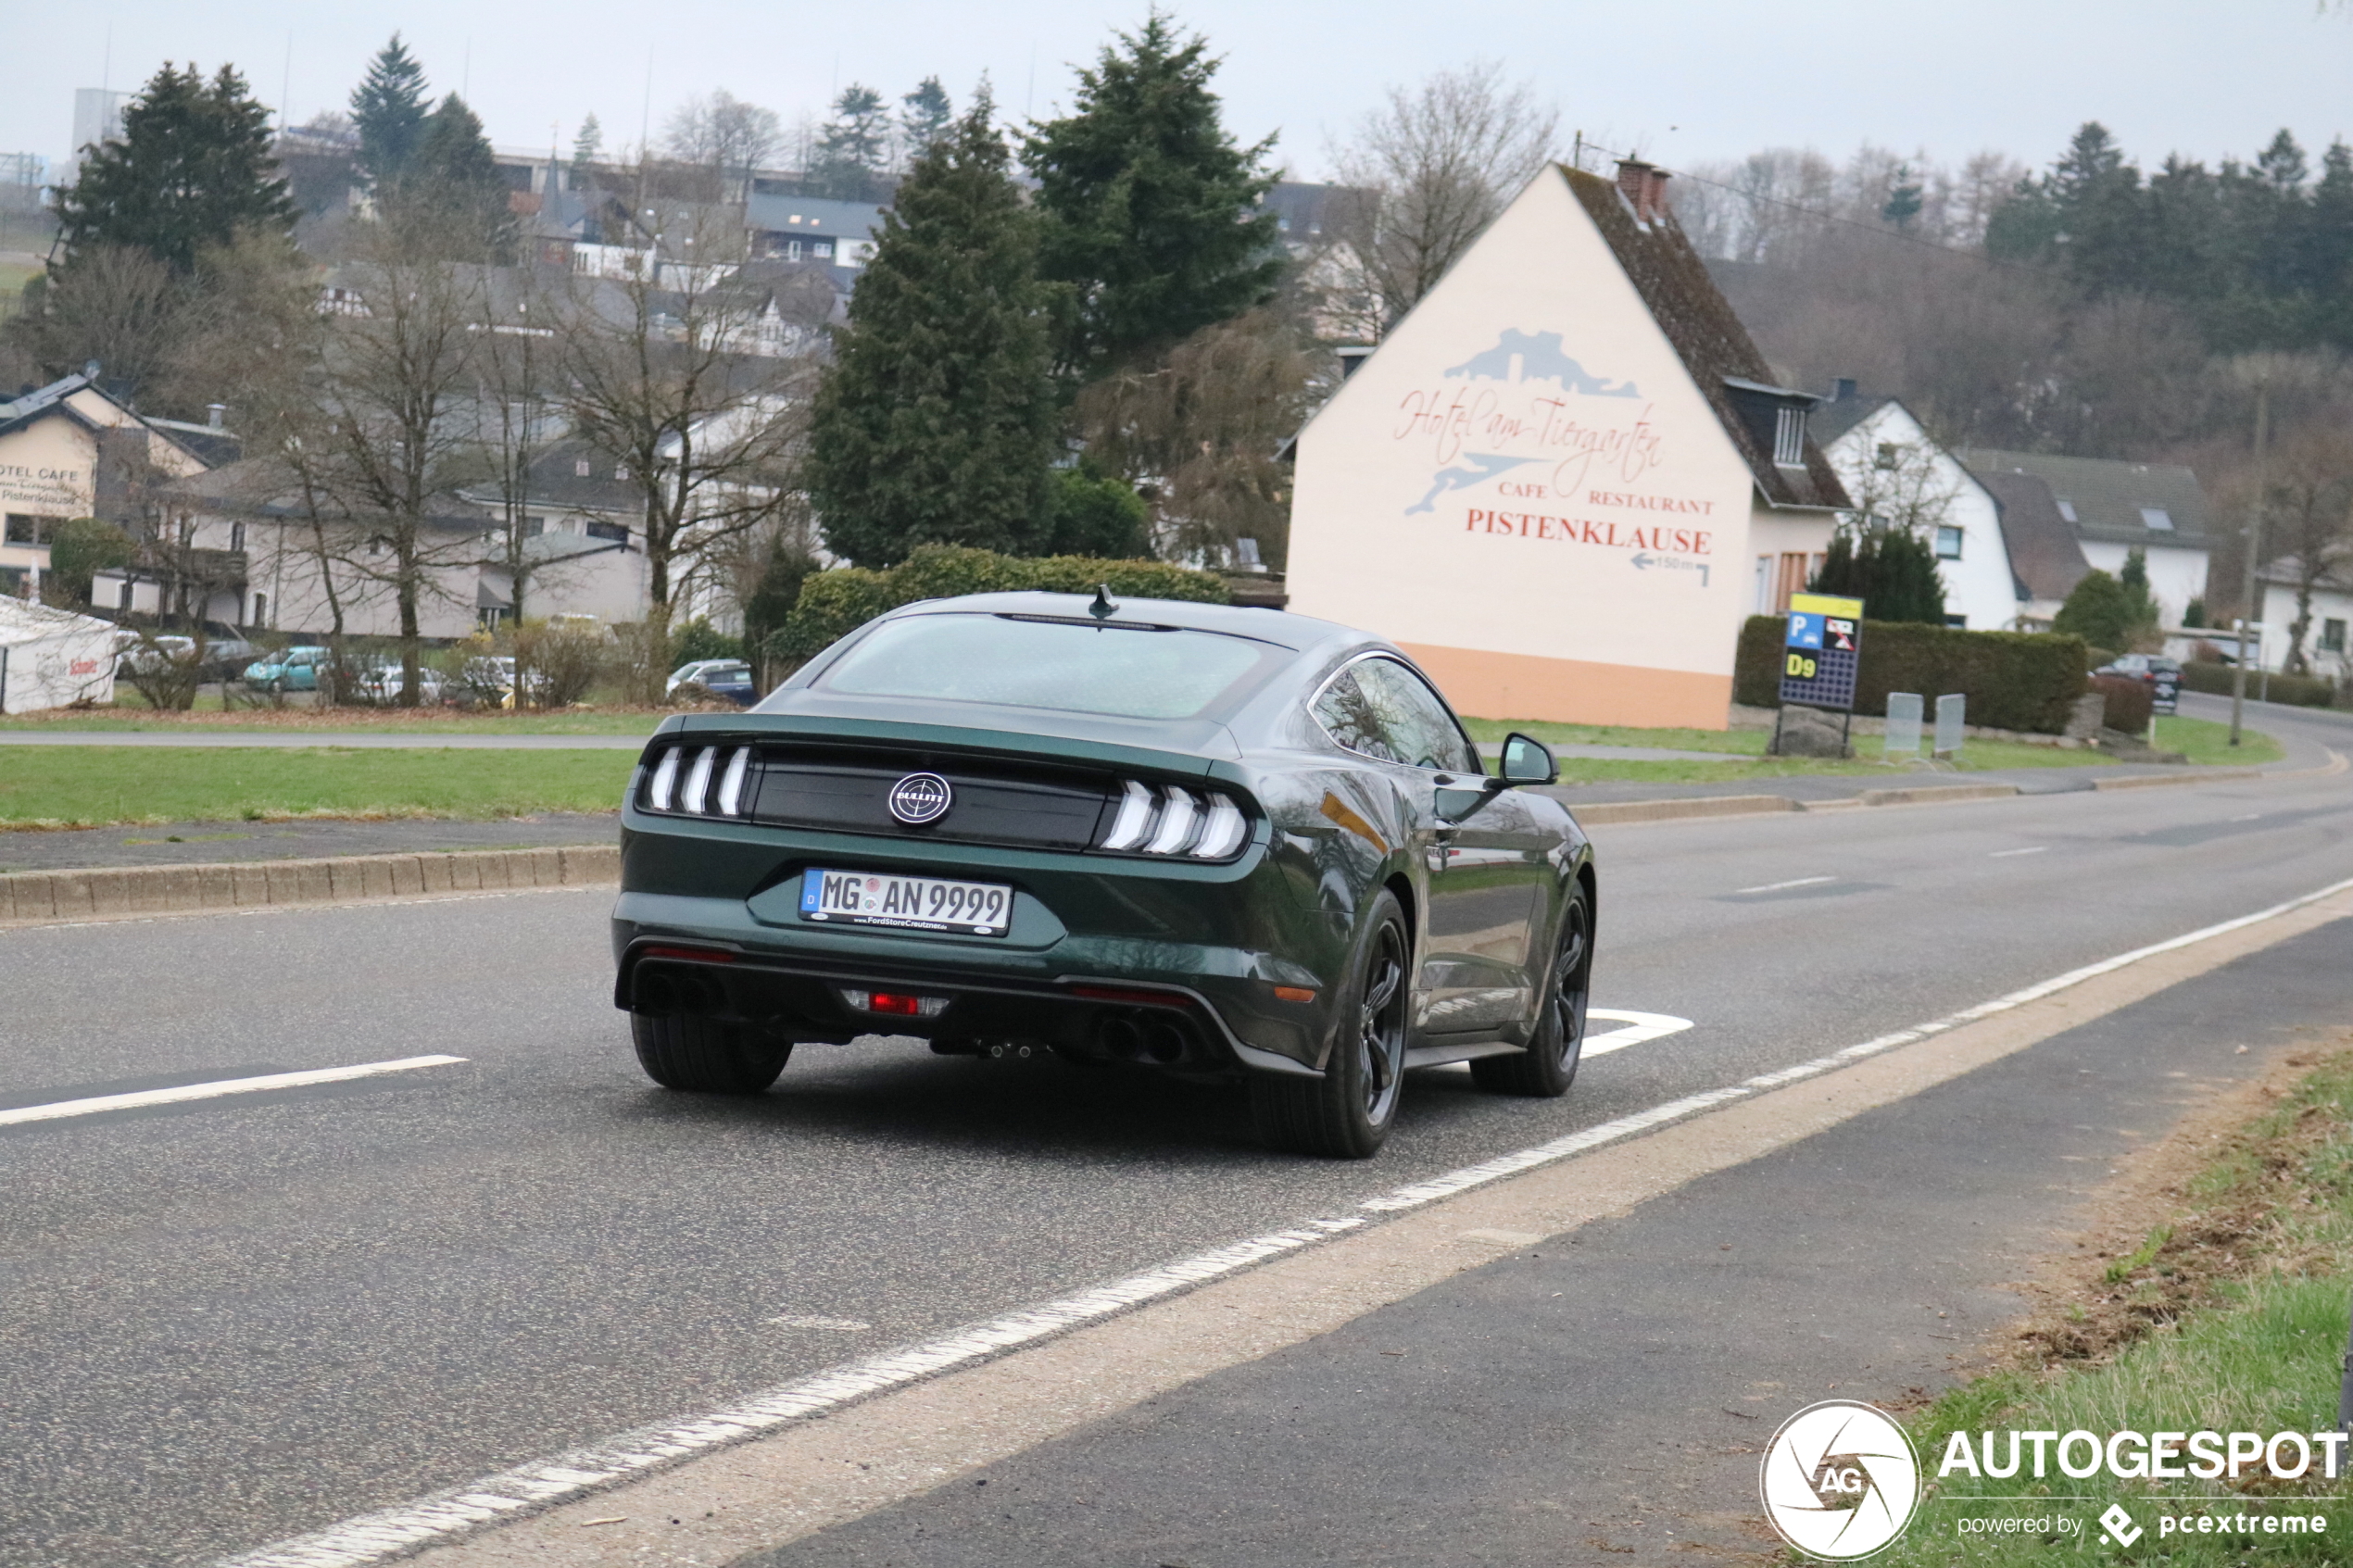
point(1021, 661)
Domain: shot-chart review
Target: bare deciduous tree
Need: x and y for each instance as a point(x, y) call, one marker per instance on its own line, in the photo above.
point(725, 135)
point(1422, 176)
point(2308, 517)
point(1198, 435)
point(662, 376)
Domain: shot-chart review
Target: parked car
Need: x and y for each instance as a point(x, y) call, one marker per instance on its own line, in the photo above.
point(145, 655)
point(226, 651)
point(1200, 839)
point(2143, 667)
point(728, 678)
point(293, 669)
point(488, 681)
point(383, 682)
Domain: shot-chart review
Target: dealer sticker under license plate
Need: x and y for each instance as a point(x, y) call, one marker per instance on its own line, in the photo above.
point(912, 903)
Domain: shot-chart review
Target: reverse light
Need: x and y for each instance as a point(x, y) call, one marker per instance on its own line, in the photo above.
point(894, 1003)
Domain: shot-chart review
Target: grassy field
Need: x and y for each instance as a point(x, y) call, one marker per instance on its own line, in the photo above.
point(1745, 758)
point(90, 787)
point(2231, 1317)
point(371, 720)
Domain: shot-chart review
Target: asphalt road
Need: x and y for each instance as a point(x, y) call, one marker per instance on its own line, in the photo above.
point(229, 1320)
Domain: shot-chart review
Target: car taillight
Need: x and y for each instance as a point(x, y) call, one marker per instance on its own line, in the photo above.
point(701, 780)
point(1173, 820)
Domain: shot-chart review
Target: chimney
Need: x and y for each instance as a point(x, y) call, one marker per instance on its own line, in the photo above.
point(1350, 358)
point(1644, 187)
point(214, 413)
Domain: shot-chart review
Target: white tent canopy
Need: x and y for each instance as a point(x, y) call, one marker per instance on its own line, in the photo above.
point(52, 657)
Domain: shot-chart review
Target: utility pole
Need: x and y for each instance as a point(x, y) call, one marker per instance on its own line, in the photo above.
point(2248, 609)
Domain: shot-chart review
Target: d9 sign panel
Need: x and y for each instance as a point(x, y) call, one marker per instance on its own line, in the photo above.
point(1822, 651)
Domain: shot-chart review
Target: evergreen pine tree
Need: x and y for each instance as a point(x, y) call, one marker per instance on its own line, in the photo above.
point(1892, 571)
point(924, 117)
point(850, 152)
point(1146, 203)
point(587, 148)
point(936, 423)
point(192, 168)
point(453, 179)
point(388, 110)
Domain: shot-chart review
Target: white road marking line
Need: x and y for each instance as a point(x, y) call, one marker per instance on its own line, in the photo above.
point(838, 1325)
point(373, 1537)
point(60, 1109)
point(1640, 1026)
point(2005, 854)
point(1776, 886)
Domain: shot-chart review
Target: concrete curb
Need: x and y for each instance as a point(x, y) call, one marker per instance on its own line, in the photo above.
point(113, 893)
point(1935, 795)
point(1607, 811)
point(2155, 781)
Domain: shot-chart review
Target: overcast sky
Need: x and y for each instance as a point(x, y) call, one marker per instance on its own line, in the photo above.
point(1686, 81)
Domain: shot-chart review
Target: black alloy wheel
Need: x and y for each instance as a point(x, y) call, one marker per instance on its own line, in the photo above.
point(1548, 1066)
point(1346, 1114)
point(700, 1055)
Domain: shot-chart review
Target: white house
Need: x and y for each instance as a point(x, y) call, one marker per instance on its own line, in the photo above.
point(72, 449)
point(2114, 508)
point(1564, 479)
point(1893, 469)
point(2326, 650)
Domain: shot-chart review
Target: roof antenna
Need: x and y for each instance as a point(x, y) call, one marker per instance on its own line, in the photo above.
point(1102, 608)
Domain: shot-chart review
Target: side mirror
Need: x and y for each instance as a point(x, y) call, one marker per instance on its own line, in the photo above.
point(1527, 761)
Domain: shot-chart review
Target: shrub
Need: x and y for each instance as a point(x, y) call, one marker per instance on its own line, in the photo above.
point(2298, 691)
point(556, 665)
point(1097, 516)
point(2129, 702)
point(1891, 570)
point(699, 640)
point(79, 548)
point(2099, 611)
point(834, 604)
point(2013, 680)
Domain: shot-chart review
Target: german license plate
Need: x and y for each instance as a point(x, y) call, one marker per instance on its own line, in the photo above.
point(911, 903)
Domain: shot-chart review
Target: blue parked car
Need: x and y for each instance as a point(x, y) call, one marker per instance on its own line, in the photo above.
point(295, 669)
point(729, 679)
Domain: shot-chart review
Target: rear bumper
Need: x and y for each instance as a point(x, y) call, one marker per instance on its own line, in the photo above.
point(712, 954)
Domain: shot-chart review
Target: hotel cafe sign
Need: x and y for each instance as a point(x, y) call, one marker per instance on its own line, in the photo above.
point(56, 491)
point(1523, 442)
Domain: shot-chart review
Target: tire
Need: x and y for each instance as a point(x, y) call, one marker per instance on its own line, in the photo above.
point(1347, 1113)
point(700, 1055)
point(1548, 1066)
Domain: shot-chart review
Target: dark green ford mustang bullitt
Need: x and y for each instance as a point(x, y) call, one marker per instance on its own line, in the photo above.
point(1218, 842)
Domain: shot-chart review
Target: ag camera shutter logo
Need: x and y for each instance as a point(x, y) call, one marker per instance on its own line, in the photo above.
point(920, 797)
point(1840, 1480)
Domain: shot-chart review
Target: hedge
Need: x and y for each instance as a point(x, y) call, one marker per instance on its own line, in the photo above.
point(834, 604)
point(2013, 680)
point(2300, 691)
point(2128, 702)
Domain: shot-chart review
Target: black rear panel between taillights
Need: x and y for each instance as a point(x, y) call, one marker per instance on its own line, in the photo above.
point(1001, 801)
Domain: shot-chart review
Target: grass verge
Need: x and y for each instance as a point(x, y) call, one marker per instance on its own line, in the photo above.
point(2205, 741)
point(96, 787)
point(2228, 1316)
point(370, 721)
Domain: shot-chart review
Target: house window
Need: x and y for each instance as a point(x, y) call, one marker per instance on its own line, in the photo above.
point(2157, 519)
point(2332, 636)
point(1789, 438)
point(616, 531)
point(26, 528)
point(533, 526)
point(1889, 456)
point(580, 467)
point(1948, 544)
point(2067, 510)
point(792, 250)
point(236, 536)
point(822, 250)
point(1958, 622)
point(261, 611)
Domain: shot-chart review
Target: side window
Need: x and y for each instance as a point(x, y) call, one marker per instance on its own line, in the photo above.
point(1348, 716)
point(1380, 709)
